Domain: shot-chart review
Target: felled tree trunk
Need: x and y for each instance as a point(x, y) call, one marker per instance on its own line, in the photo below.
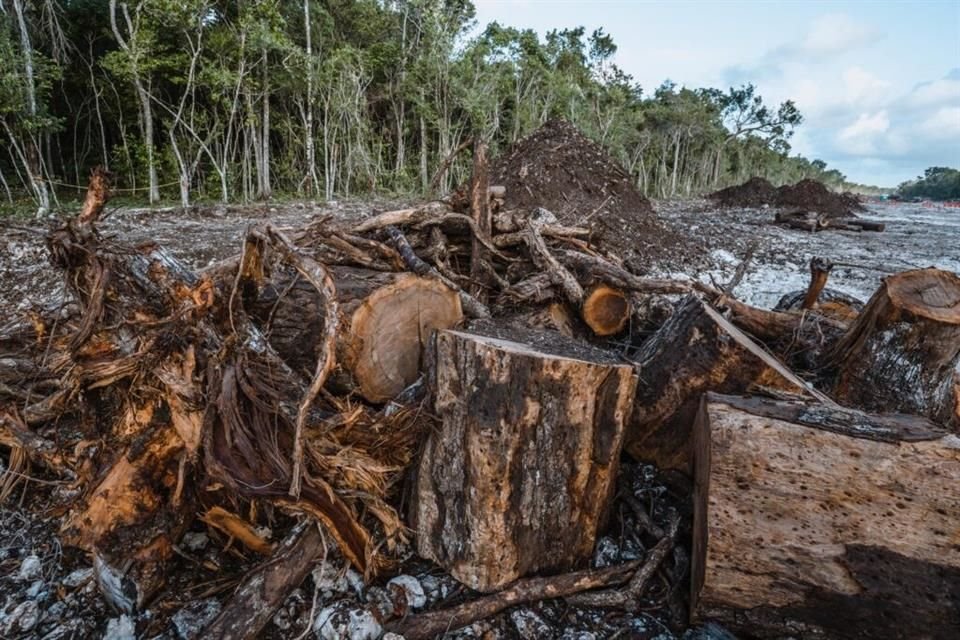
point(903, 352)
point(385, 318)
point(813, 520)
point(519, 477)
point(695, 351)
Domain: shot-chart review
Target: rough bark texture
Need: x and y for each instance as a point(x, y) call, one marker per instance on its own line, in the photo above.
point(813, 520)
point(518, 478)
point(384, 320)
point(903, 353)
point(265, 588)
point(692, 353)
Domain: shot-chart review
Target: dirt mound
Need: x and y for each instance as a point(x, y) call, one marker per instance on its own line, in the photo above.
point(812, 195)
point(755, 192)
point(560, 169)
point(808, 194)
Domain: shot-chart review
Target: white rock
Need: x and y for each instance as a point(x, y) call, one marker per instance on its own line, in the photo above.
point(390, 635)
point(345, 621)
point(120, 629)
point(529, 625)
point(412, 589)
point(578, 635)
point(332, 579)
point(23, 618)
point(35, 590)
point(195, 540)
point(78, 577)
point(190, 621)
point(30, 568)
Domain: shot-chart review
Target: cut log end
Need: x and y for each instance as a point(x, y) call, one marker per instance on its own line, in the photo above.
point(927, 293)
point(606, 310)
point(388, 331)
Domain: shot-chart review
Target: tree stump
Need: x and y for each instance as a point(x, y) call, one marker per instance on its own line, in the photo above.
point(519, 478)
point(813, 520)
point(695, 351)
point(903, 352)
point(385, 320)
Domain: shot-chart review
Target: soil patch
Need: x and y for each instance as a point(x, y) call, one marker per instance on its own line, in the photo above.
point(755, 192)
point(560, 169)
point(808, 195)
point(811, 195)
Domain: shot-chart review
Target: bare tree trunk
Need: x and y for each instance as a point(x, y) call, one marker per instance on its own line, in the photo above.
point(265, 189)
point(32, 151)
point(146, 110)
point(311, 177)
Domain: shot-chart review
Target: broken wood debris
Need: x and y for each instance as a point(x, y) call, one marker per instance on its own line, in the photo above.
point(286, 387)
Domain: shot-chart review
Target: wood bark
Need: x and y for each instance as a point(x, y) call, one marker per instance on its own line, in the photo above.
point(694, 352)
point(814, 521)
point(385, 319)
point(480, 213)
point(903, 352)
point(519, 476)
point(265, 588)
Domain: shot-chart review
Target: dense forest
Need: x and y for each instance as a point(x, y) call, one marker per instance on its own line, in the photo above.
point(936, 183)
point(236, 101)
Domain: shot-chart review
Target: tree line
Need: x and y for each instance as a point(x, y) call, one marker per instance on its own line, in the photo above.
point(247, 99)
point(936, 183)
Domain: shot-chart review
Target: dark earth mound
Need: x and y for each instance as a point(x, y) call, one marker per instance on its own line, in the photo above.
point(812, 195)
point(560, 169)
point(753, 193)
point(808, 195)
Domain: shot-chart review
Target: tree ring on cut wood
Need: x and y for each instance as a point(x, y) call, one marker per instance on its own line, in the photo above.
point(388, 330)
point(606, 310)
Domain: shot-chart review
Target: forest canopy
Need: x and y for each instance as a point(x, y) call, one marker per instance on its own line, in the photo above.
point(936, 183)
point(236, 101)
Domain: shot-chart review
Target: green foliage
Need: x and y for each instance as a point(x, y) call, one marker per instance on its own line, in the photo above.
point(394, 87)
point(936, 183)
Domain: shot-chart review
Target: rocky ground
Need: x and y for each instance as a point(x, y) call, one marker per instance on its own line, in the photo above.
point(48, 592)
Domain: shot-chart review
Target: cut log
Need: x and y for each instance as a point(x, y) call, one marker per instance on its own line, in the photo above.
point(695, 351)
point(519, 477)
point(606, 310)
point(385, 318)
point(813, 522)
point(903, 352)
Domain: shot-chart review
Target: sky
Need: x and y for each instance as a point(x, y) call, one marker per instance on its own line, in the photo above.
point(878, 83)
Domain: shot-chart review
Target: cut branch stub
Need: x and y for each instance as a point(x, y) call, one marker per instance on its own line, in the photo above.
point(519, 477)
point(606, 310)
point(824, 522)
point(903, 352)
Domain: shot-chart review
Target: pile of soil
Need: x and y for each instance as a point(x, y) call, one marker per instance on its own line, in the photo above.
point(755, 192)
point(812, 195)
point(808, 195)
point(560, 169)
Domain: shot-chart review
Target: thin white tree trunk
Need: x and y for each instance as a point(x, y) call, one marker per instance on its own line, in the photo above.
point(32, 153)
point(311, 177)
point(143, 95)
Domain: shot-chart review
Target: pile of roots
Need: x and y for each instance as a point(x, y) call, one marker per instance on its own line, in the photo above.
point(267, 388)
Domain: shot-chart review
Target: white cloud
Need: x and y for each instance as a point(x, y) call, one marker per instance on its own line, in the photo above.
point(835, 33)
point(943, 91)
point(863, 88)
point(943, 123)
point(865, 135)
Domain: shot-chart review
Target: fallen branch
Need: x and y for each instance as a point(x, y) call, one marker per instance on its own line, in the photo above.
point(265, 588)
point(628, 598)
point(430, 624)
point(471, 305)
